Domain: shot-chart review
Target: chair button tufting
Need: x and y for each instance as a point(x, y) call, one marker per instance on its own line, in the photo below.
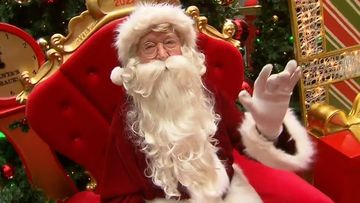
point(64, 105)
point(92, 71)
point(75, 137)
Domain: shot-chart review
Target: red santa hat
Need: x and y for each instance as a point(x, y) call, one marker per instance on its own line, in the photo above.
point(143, 18)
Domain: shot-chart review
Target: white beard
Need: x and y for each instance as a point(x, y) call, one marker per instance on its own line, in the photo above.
point(174, 123)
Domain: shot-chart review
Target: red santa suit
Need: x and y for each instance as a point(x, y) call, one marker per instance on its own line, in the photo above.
point(239, 141)
point(292, 151)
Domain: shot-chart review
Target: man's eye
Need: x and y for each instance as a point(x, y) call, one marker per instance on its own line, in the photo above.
point(170, 41)
point(170, 44)
point(149, 46)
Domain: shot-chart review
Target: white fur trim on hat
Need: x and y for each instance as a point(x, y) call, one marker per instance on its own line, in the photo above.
point(147, 15)
point(257, 147)
point(116, 77)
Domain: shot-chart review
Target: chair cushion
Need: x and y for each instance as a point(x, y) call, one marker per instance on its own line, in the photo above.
point(83, 197)
point(224, 64)
point(72, 109)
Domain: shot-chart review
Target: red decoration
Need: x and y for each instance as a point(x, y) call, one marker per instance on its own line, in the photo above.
point(50, 1)
point(242, 30)
point(24, 121)
point(251, 3)
point(258, 32)
point(7, 171)
point(337, 167)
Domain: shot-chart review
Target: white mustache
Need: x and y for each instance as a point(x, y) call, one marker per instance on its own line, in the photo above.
point(172, 62)
point(142, 78)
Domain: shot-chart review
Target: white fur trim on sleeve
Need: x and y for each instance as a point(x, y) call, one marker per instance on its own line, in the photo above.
point(265, 152)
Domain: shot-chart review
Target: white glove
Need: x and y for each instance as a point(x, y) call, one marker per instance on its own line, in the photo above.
point(271, 97)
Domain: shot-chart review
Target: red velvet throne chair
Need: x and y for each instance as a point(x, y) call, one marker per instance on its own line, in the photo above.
point(72, 105)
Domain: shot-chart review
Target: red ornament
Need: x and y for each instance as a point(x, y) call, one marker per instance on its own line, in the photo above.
point(242, 30)
point(257, 32)
point(7, 171)
point(251, 3)
point(24, 121)
point(50, 1)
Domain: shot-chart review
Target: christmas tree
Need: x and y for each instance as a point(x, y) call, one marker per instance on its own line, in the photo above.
point(273, 43)
point(14, 185)
point(274, 40)
point(40, 18)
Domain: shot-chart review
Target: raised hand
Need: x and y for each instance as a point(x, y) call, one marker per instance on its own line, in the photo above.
point(271, 97)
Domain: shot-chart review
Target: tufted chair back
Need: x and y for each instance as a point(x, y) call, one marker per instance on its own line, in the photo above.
point(72, 110)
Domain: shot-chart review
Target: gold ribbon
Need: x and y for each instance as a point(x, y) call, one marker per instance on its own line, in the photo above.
point(325, 119)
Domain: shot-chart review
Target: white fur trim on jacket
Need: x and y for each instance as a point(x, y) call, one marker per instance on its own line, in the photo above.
point(146, 15)
point(265, 152)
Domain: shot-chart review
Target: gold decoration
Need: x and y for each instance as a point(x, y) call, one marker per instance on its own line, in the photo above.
point(92, 182)
point(229, 29)
point(55, 59)
point(23, 2)
point(44, 44)
point(225, 2)
point(308, 25)
point(275, 18)
point(202, 26)
point(320, 68)
point(325, 119)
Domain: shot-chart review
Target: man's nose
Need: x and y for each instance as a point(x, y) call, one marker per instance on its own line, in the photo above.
point(162, 54)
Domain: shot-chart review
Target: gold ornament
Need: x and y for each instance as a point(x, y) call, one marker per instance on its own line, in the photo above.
point(44, 44)
point(92, 182)
point(225, 2)
point(23, 2)
point(228, 29)
point(325, 119)
point(91, 185)
point(275, 18)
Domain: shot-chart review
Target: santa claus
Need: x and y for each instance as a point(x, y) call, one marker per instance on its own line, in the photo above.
point(183, 132)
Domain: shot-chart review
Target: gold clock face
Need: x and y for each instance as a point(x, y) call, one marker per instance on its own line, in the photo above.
point(16, 56)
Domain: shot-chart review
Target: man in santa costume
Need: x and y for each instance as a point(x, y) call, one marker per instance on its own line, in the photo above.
point(180, 133)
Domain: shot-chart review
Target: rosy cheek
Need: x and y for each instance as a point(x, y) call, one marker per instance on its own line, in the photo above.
point(176, 51)
point(143, 59)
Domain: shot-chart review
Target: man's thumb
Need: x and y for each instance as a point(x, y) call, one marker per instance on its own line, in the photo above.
point(246, 100)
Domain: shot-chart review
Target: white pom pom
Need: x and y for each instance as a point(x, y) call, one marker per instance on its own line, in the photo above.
point(115, 75)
